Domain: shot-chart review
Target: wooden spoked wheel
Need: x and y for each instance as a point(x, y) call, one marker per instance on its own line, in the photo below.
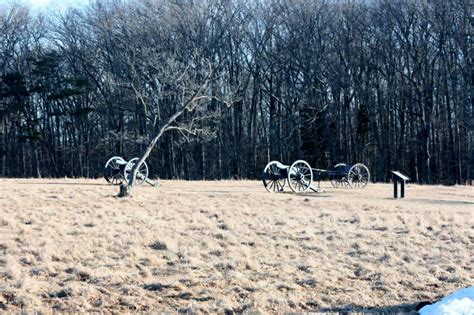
point(142, 173)
point(358, 176)
point(300, 176)
point(113, 170)
point(273, 178)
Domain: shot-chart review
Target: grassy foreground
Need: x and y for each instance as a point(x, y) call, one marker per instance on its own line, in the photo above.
point(71, 245)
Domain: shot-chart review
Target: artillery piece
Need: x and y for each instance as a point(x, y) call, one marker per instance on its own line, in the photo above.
point(117, 170)
point(300, 176)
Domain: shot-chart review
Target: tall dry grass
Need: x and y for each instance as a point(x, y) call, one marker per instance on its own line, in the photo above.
point(71, 245)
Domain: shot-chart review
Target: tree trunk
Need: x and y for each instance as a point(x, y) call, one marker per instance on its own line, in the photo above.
point(125, 191)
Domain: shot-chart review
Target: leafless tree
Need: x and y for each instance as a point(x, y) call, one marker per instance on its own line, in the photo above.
point(387, 83)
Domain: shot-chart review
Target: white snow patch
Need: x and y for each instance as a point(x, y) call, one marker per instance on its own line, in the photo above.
point(460, 302)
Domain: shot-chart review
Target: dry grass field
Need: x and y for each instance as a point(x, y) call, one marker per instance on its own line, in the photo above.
point(71, 245)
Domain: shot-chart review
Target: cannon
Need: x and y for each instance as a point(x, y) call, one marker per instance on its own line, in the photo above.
point(300, 176)
point(117, 170)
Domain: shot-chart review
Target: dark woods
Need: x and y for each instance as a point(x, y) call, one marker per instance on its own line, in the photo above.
point(386, 83)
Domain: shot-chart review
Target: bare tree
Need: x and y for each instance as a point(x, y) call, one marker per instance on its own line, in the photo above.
point(170, 83)
point(387, 83)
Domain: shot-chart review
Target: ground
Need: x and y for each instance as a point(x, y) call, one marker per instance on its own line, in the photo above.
point(207, 246)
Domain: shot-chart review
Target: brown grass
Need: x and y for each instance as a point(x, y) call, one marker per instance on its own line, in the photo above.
point(71, 245)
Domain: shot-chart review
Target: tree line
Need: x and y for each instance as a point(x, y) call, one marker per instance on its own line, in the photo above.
point(385, 83)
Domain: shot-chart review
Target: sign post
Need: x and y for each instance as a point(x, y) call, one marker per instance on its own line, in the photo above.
point(398, 177)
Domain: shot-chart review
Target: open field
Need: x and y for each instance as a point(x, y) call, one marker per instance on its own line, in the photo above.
point(71, 245)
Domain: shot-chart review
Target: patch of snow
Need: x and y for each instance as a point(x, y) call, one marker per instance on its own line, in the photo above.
point(460, 302)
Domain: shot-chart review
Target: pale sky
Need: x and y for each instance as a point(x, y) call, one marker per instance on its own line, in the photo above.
point(47, 4)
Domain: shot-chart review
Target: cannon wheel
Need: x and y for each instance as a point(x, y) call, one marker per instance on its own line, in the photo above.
point(142, 174)
point(271, 183)
point(300, 176)
point(358, 176)
point(112, 172)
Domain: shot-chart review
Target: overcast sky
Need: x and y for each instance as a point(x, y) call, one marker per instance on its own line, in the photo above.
point(47, 4)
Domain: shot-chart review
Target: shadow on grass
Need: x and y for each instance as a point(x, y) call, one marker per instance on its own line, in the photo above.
point(306, 194)
point(445, 202)
point(432, 201)
point(203, 191)
point(407, 308)
point(62, 183)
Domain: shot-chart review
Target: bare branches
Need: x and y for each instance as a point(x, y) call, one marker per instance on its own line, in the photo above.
point(222, 87)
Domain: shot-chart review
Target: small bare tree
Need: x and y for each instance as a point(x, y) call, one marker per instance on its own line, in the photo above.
point(172, 89)
point(191, 103)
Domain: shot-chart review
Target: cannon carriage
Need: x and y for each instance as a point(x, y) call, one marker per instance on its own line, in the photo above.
point(117, 170)
point(300, 176)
